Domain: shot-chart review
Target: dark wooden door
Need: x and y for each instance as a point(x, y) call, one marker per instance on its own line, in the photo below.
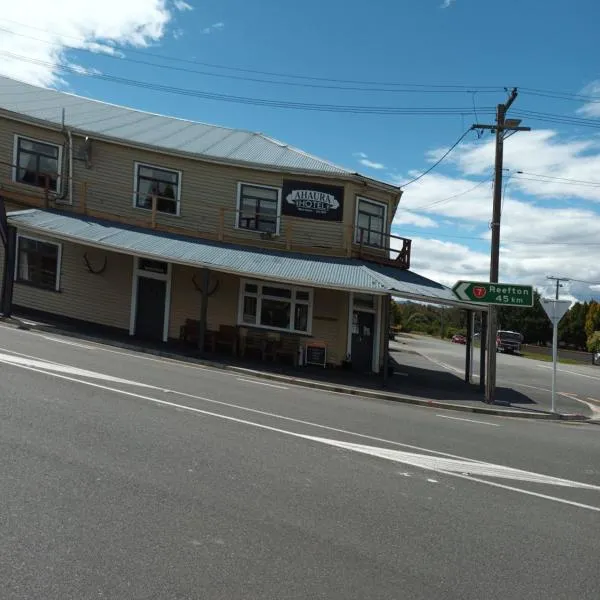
point(150, 314)
point(363, 334)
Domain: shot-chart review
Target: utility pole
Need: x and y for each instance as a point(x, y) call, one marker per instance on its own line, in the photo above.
point(558, 284)
point(502, 126)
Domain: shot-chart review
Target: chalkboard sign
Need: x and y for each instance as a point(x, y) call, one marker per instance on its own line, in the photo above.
point(316, 354)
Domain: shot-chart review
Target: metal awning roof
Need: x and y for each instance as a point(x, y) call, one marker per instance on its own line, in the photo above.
point(301, 269)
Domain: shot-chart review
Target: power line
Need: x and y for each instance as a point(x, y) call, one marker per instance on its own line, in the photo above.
point(419, 87)
point(395, 90)
point(561, 95)
point(458, 141)
point(426, 206)
point(558, 119)
point(566, 179)
point(336, 108)
point(519, 178)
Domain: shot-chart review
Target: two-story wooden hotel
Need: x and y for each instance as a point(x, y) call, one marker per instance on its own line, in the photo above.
point(172, 230)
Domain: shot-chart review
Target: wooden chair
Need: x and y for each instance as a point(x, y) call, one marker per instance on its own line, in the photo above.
point(288, 349)
point(189, 331)
point(227, 337)
point(253, 341)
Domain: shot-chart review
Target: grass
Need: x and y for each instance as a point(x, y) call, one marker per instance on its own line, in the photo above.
point(542, 357)
point(547, 358)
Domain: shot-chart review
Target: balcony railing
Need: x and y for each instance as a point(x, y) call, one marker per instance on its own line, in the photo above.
point(227, 225)
point(384, 248)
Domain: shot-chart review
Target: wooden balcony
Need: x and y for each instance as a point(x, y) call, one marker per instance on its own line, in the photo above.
point(383, 248)
point(387, 249)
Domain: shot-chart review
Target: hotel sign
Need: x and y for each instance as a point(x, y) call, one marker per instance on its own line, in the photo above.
point(313, 200)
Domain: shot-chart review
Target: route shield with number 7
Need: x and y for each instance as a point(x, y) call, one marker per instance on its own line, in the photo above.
point(503, 294)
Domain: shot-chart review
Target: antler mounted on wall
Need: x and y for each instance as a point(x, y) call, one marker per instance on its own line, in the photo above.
point(199, 288)
point(91, 269)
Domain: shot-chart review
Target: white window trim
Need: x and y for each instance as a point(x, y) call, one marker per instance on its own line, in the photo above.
point(384, 233)
point(58, 261)
point(18, 137)
point(259, 296)
point(136, 167)
point(236, 223)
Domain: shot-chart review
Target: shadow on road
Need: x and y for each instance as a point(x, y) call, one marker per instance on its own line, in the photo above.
point(417, 376)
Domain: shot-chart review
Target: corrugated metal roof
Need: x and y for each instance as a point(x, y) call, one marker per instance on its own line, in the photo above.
point(339, 273)
point(161, 132)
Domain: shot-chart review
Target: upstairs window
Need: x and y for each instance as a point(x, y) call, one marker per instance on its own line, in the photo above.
point(258, 208)
point(38, 263)
point(371, 220)
point(164, 184)
point(37, 163)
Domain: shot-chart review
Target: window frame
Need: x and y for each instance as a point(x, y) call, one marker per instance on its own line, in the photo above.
point(238, 208)
point(15, 165)
point(58, 274)
point(292, 300)
point(136, 177)
point(384, 232)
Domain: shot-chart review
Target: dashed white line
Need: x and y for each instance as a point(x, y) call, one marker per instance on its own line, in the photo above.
point(273, 385)
point(468, 420)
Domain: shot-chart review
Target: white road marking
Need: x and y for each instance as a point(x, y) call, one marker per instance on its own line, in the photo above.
point(569, 372)
point(68, 343)
point(273, 385)
point(291, 419)
point(451, 467)
point(60, 368)
point(468, 420)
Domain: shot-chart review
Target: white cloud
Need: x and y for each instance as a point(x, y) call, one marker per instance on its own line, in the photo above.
point(40, 31)
point(541, 155)
point(214, 27)
point(370, 164)
point(591, 108)
point(446, 3)
point(365, 162)
point(548, 228)
point(182, 6)
point(405, 217)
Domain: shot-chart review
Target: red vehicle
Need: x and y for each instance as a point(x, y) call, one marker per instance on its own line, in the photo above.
point(459, 339)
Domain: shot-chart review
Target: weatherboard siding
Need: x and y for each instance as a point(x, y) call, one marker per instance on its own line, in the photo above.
point(103, 298)
point(186, 299)
point(107, 185)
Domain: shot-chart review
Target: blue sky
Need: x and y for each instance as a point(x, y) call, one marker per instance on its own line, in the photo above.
point(551, 223)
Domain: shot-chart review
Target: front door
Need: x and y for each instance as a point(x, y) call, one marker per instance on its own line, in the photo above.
point(150, 312)
point(363, 332)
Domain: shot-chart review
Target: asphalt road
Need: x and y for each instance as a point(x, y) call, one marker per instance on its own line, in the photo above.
point(578, 386)
point(129, 476)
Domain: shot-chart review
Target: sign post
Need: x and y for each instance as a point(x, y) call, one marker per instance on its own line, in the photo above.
point(555, 309)
point(501, 294)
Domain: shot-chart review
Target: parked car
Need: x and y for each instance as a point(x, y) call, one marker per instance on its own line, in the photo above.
point(459, 339)
point(509, 341)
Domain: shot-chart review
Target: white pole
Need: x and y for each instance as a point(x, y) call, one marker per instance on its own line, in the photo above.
point(471, 368)
point(554, 361)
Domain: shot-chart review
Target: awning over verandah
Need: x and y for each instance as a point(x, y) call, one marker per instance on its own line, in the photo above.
point(346, 274)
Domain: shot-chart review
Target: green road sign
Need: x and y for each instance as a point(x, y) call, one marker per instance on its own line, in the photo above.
point(503, 294)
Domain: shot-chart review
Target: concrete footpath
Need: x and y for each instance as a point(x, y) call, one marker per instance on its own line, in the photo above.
point(397, 388)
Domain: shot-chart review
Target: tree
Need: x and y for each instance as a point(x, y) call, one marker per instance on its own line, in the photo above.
point(593, 344)
point(592, 321)
point(571, 329)
point(533, 322)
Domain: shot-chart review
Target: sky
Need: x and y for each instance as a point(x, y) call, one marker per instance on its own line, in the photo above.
point(436, 66)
